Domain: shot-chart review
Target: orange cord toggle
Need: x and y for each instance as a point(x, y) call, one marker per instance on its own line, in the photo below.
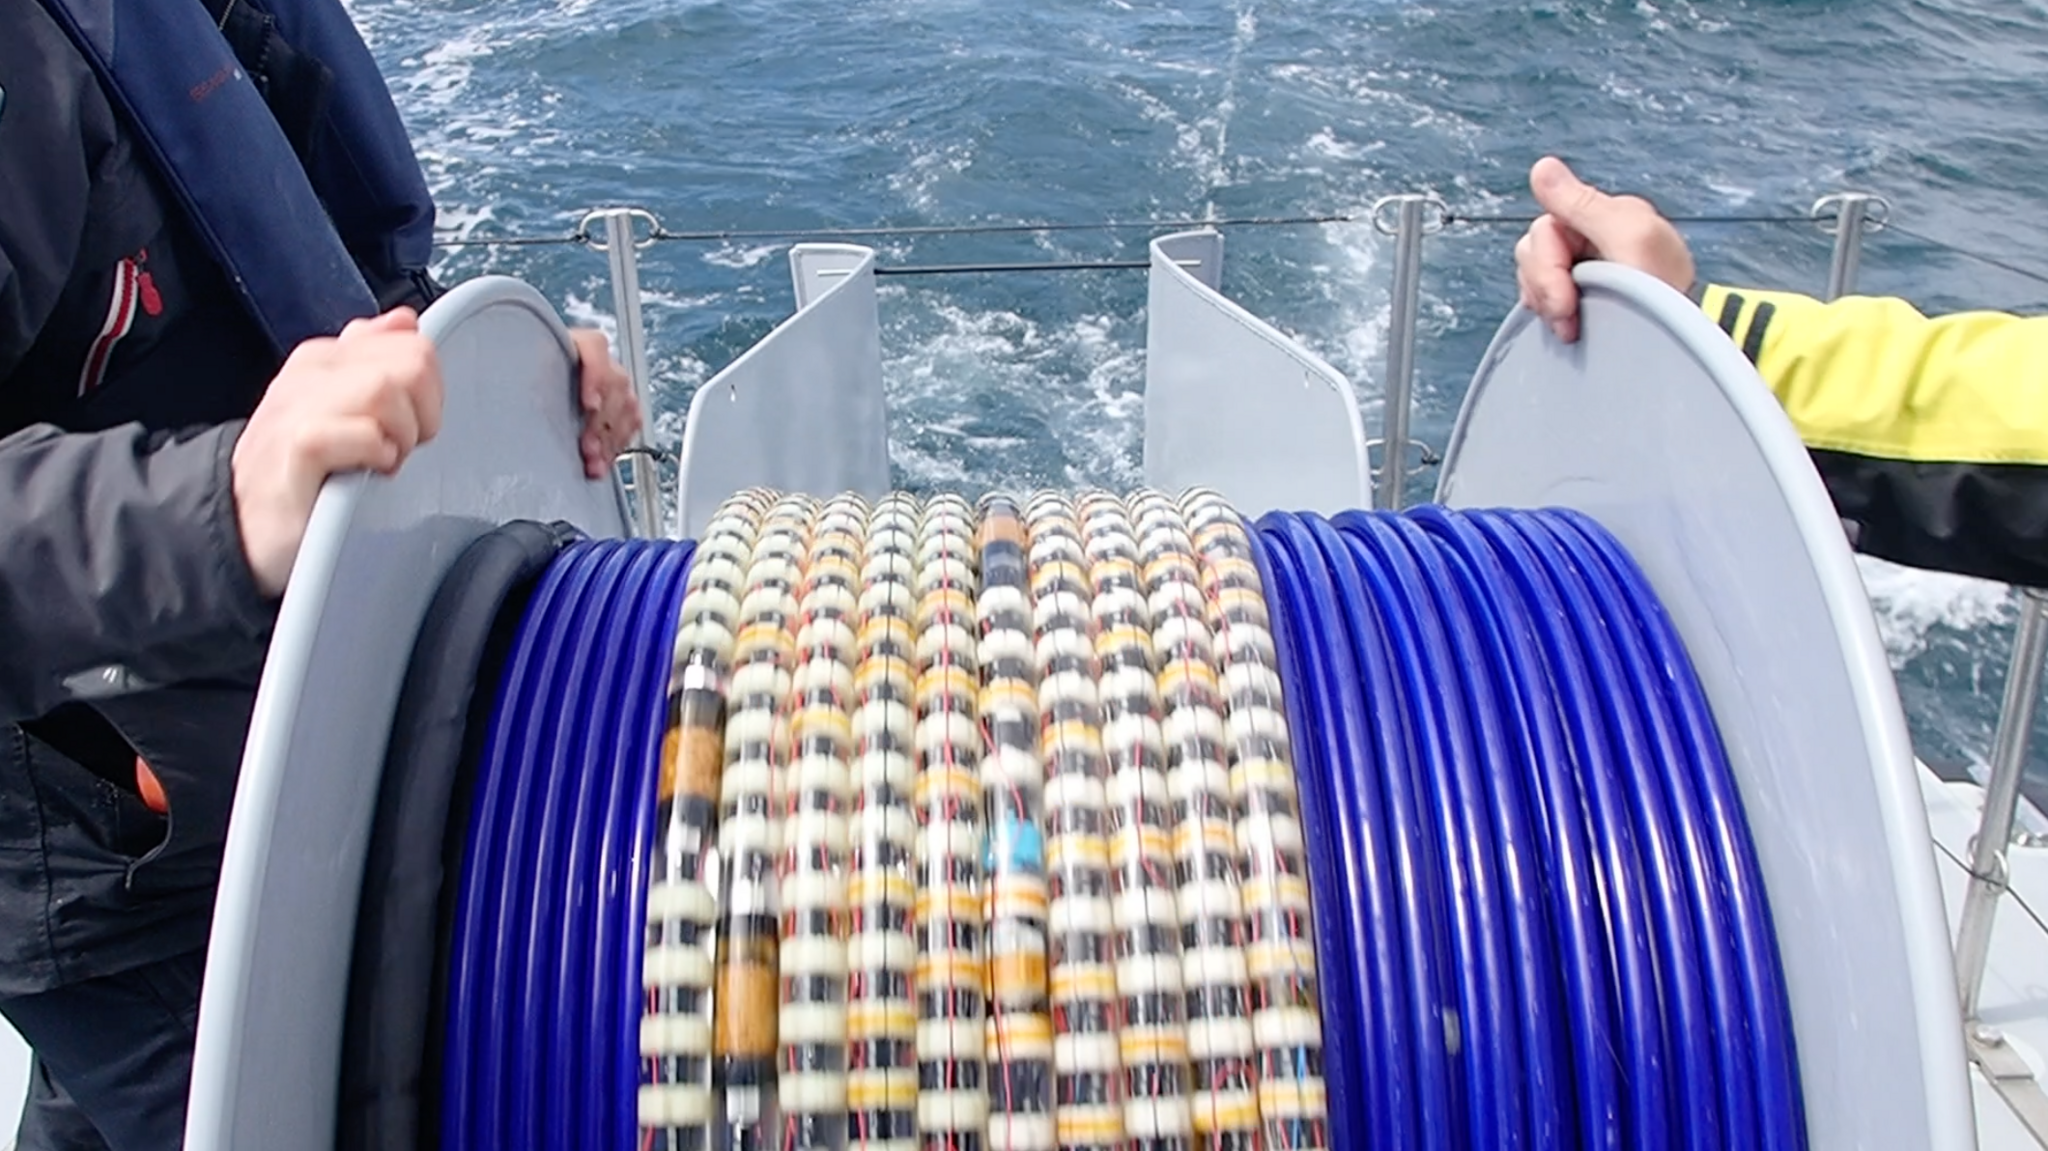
point(151, 788)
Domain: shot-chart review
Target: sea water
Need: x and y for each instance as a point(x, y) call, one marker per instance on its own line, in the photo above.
point(756, 114)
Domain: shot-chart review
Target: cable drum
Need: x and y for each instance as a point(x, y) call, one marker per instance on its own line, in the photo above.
point(1066, 823)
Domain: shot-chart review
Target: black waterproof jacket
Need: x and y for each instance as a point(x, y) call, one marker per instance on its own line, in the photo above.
point(129, 621)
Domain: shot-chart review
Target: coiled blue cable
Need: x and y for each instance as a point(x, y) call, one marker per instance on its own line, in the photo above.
point(1632, 741)
point(1541, 775)
point(1416, 848)
point(561, 1015)
point(1479, 650)
point(1467, 842)
point(550, 897)
point(611, 1077)
point(528, 883)
point(1703, 900)
point(1643, 1035)
point(513, 723)
point(1769, 1009)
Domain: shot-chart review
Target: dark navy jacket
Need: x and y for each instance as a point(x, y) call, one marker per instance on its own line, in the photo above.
point(128, 362)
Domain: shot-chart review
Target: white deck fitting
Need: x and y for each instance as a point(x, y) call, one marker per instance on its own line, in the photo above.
point(1232, 404)
point(2015, 996)
point(1655, 425)
point(802, 410)
point(267, 1070)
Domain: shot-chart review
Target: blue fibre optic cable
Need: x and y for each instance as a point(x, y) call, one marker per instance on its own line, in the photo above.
point(611, 1073)
point(1780, 1103)
point(1644, 1048)
point(1478, 762)
point(1479, 653)
point(562, 1015)
point(469, 990)
point(1379, 792)
point(1444, 904)
point(1645, 774)
point(529, 883)
point(1707, 900)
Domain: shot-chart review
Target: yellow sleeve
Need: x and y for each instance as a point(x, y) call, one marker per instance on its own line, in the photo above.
point(1932, 433)
point(1873, 376)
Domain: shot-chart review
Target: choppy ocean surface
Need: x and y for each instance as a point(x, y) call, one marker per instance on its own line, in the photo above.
point(828, 114)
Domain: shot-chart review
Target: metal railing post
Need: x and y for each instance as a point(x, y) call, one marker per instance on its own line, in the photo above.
point(2001, 798)
point(1408, 229)
point(1854, 214)
point(622, 245)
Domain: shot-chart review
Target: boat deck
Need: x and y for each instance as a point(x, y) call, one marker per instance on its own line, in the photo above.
point(2015, 996)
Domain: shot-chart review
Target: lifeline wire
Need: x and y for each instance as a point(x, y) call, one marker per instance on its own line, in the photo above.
point(1164, 224)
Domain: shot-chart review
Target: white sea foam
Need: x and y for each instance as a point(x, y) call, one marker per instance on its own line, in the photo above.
point(1911, 604)
point(1078, 383)
point(918, 181)
point(742, 255)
